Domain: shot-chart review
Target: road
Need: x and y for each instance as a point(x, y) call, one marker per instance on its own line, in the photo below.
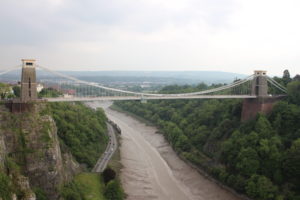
point(109, 151)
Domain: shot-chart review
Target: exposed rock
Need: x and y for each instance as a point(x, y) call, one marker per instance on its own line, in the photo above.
point(23, 184)
point(32, 141)
point(44, 165)
point(2, 151)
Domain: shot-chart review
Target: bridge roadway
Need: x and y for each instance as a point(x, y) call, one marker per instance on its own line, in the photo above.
point(116, 98)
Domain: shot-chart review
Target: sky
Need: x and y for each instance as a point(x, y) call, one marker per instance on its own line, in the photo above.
point(221, 35)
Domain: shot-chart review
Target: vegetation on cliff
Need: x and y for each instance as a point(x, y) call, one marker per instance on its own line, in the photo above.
point(81, 129)
point(259, 158)
point(6, 186)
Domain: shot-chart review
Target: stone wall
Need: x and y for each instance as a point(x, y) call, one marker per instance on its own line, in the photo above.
point(253, 106)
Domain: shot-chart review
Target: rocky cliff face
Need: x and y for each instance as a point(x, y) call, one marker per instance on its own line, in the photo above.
point(31, 140)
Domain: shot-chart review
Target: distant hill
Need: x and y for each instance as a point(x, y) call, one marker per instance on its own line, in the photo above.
point(165, 77)
point(179, 77)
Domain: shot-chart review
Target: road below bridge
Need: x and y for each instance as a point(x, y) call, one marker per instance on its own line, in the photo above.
point(109, 151)
point(152, 170)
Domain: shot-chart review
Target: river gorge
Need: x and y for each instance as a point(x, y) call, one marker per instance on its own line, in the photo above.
point(152, 170)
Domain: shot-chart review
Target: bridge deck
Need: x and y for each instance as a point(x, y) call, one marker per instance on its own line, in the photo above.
point(119, 98)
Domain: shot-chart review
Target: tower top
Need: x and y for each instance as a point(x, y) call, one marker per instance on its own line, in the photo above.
point(260, 72)
point(28, 62)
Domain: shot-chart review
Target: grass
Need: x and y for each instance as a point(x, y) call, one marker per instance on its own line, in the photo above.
point(92, 185)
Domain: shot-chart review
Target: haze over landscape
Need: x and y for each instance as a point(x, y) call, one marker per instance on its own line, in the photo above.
point(221, 35)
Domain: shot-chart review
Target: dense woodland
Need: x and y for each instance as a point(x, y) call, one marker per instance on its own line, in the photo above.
point(81, 129)
point(259, 158)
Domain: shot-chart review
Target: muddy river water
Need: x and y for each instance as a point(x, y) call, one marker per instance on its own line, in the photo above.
point(152, 170)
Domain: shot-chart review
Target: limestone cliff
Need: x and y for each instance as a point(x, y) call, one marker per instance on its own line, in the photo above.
point(30, 139)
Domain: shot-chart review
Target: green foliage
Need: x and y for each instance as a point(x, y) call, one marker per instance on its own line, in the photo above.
point(72, 191)
point(248, 161)
point(5, 91)
point(286, 78)
point(12, 166)
point(81, 129)
point(40, 194)
point(17, 90)
point(293, 89)
point(285, 118)
point(8, 174)
point(85, 186)
point(260, 187)
point(259, 158)
point(263, 126)
point(292, 164)
point(6, 187)
point(49, 92)
point(113, 191)
point(108, 175)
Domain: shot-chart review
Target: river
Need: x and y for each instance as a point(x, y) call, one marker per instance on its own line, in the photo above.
point(152, 170)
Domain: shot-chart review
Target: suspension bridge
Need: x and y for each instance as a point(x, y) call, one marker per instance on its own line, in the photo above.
point(257, 85)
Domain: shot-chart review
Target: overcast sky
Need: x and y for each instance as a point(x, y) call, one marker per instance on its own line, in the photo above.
point(224, 35)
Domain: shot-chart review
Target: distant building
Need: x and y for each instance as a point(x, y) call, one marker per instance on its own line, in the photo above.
point(145, 85)
point(39, 87)
point(70, 92)
point(67, 96)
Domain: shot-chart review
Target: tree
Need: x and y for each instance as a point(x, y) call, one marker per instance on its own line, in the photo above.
point(260, 187)
point(49, 92)
point(292, 164)
point(296, 78)
point(108, 175)
point(40, 194)
point(5, 91)
point(17, 90)
point(113, 191)
point(268, 150)
point(248, 161)
point(263, 127)
point(286, 78)
point(183, 143)
point(70, 194)
point(293, 90)
point(286, 119)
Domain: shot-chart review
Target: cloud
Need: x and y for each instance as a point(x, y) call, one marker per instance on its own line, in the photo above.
point(227, 35)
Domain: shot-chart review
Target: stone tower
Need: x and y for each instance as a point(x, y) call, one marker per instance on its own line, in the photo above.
point(260, 84)
point(263, 103)
point(28, 81)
